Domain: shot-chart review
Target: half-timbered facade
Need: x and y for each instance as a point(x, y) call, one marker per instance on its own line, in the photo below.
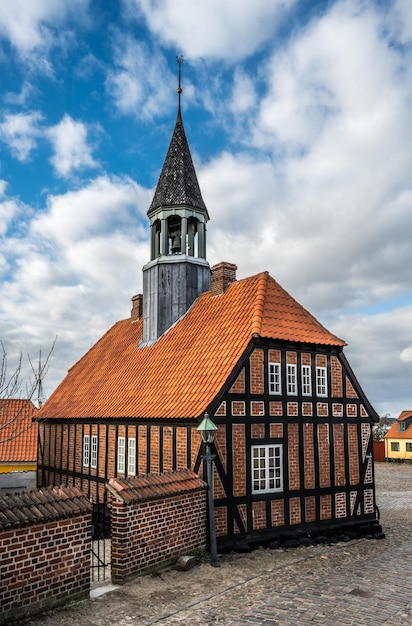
point(293, 447)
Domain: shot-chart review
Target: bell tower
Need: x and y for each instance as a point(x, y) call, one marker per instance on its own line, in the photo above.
point(177, 271)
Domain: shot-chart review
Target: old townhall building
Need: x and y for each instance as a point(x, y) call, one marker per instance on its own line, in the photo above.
point(293, 446)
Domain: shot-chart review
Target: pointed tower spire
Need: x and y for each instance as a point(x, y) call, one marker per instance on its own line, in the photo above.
point(178, 270)
point(178, 184)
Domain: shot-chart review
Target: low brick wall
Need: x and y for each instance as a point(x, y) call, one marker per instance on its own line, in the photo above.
point(45, 541)
point(155, 519)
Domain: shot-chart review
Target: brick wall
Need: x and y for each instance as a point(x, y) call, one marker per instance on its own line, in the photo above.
point(154, 521)
point(43, 564)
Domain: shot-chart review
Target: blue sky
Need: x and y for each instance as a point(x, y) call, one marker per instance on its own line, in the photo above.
point(299, 118)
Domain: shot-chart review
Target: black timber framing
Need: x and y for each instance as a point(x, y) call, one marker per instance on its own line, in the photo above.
point(231, 503)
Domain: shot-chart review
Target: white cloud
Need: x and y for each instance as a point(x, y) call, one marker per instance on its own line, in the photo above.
point(84, 247)
point(72, 152)
point(138, 82)
point(20, 132)
point(212, 28)
point(36, 25)
point(376, 344)
point(406, 355)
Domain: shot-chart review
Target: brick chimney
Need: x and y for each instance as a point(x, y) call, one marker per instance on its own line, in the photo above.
point(222, 275)
point(137, 308)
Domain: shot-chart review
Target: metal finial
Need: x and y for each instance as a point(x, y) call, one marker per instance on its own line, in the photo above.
point(179, 90)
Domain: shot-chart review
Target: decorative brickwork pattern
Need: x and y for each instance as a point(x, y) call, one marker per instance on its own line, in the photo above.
point(307, 409)
point(238, 408)
point(257, 407)
point(337, 382)
point(353, 454)
point(276, 431)
point(294, 511)
point(278, 512)
point(275, 409)
point(239, 384)
point(259, 515)
point(339, 454)
point(308, 457)
point(257, 431)
point(294, 477)
point(368, 501)
point(256, 371)
point(340, 504)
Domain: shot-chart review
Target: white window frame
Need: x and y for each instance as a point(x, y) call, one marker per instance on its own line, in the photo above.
point(275, 380)
point(121, 450)
point(291, 379)
point(306, 380)
point(267, 468)
point(86, 450)
point(93, 452)
point(131, 457)
point(321, 382)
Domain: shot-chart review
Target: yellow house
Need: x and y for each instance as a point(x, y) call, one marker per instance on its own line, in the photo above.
point(398, 439)
point(18, 445)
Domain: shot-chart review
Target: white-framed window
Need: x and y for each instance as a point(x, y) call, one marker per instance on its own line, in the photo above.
point(93, 452)
point(121, 454)
point(321, 383)
point(86, 450)
point(267, 474)
point(274, 378)
point(306, 380)
point(291, 379)
point(131, 457)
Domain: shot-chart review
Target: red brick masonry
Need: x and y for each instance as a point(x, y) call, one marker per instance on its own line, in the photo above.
point(154, 519)
point(45, 541)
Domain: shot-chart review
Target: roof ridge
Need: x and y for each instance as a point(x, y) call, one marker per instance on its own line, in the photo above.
point(259, 303)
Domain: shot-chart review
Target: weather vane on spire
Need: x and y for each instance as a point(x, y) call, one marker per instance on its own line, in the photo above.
point(179, 90)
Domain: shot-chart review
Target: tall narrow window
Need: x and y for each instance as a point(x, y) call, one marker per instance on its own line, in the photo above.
point(120, 454)
point(306, 380)
point(321, 384)
point(267, 468)
point(131, 457)
point(291, 379)
point(86, 450)
point(274, 378)
point(93, 456)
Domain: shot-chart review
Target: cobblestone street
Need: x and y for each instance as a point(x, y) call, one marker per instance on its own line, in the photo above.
point(359, 583)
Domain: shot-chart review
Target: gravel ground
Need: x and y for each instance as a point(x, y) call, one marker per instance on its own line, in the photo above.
point(207, 595)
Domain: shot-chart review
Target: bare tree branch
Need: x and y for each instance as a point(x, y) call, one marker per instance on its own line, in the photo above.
point(10, 386)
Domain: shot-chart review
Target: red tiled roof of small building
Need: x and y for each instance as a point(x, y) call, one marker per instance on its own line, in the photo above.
point(180, 374)
point(18, 433)
point(40, 505)
point(395, 433)
point(154, 486)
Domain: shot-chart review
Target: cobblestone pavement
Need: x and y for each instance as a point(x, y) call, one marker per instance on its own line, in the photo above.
point(359, 583)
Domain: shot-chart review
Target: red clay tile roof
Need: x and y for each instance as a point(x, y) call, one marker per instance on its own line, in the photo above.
point(404, 416)
point(18, 434)
point(154, 486)
point(40, 505)
point(394, 433)
point(181, 374)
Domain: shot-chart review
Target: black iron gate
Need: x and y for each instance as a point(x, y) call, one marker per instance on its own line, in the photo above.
point(101, 545)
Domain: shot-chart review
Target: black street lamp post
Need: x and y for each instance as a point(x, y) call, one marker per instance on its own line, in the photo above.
point(208, 430)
